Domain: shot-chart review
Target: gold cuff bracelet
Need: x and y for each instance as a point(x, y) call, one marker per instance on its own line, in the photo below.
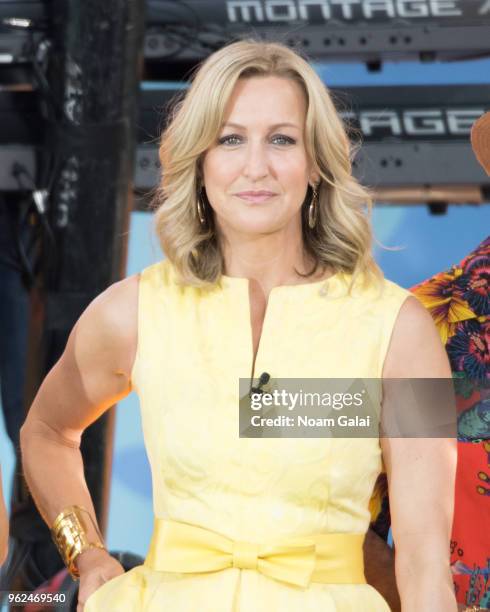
point(69, 533)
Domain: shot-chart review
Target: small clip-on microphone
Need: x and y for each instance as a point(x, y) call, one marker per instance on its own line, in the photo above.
point(263, 380)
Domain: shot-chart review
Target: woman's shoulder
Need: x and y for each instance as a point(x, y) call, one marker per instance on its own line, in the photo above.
point(126, 308)
point(393, 290)
point(104, 338)
point(120, 300)
point(377, 291)
point(115, 308)
point(159, 275)
point(415, 347)
point(397, 304)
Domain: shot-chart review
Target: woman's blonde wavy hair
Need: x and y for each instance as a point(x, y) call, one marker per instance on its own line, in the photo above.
point(342, 237)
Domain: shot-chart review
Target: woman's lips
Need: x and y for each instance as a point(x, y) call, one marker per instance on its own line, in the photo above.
point(255, 198)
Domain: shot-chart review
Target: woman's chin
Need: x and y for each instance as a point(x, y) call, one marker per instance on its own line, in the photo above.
point(257, 221)
point(258, 226)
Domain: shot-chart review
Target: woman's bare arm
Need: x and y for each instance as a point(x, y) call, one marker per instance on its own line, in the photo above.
point(4, 525)
point(421, 474)
point(92, 374)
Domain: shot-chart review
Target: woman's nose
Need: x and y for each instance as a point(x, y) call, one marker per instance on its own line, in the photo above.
point(256, 163)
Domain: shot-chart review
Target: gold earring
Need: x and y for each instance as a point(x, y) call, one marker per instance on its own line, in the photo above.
point(200, 208)
point(313, 208)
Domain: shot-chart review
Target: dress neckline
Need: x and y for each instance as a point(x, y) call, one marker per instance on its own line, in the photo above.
point(240, 284)
point(243, 282)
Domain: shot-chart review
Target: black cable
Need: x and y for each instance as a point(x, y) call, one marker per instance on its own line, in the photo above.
point(50, 162)
point(37, 204)
point(39, 197)
point(186, 40)
point(51, 110)
point(39, 60)
point(190, 34)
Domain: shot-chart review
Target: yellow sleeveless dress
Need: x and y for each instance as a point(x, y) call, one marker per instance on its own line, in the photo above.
point(219, 489)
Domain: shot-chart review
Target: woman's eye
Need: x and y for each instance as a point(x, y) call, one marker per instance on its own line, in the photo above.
point(233, 139)
point(228, 139)
point(286, 139)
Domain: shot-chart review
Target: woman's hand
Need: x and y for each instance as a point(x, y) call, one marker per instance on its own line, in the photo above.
point(96, 567)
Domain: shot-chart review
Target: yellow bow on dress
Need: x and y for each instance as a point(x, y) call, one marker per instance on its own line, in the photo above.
point(181, 547)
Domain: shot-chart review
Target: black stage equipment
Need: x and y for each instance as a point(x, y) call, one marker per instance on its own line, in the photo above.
point(87, 112)
point(23, 24)
point(180, 33)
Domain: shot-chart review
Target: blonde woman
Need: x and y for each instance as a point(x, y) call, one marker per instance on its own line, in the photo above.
point(268, 269)
point(4, 525)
